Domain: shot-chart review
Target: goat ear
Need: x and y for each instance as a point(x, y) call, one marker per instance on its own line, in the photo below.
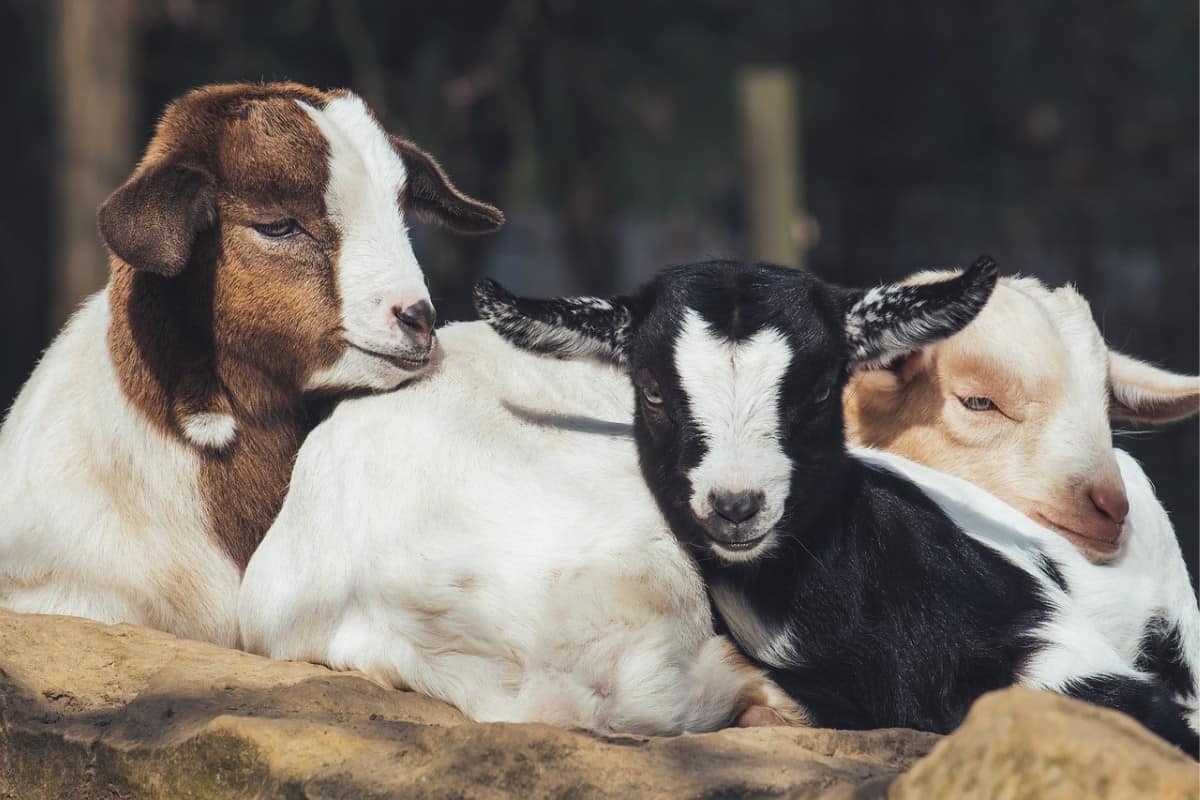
point(429, 192)
point(152, 221)
point(890, 321)
point(1141, 392)
point(565, 326)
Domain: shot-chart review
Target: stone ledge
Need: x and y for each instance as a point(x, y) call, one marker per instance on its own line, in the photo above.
point(95, 711)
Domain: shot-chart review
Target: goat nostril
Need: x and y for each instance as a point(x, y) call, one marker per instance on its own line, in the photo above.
point(419, 318)
point(736, 507)
point(1112, 503)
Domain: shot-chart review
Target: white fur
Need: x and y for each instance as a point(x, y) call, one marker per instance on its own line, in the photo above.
point(1075, 442)
point(733, 391)
point(210, 430)
point(775, 648)
point(484, 535)
point(103, 516)
point(376, 269)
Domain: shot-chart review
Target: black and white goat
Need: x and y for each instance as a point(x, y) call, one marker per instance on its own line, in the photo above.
point(864, 584)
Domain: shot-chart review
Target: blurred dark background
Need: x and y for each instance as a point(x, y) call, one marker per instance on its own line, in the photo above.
point(862, 139)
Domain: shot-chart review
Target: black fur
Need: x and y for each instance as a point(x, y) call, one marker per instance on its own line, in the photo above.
point(885, 613)
point(1051, 570)
point(1162, 655)
point(897, 618)
point(571, 326)
point(893, 320)
point(1154, 706)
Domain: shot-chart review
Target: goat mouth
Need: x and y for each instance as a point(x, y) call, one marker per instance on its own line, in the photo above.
point(739, 546)
point(1103, 546)
point(409, 362)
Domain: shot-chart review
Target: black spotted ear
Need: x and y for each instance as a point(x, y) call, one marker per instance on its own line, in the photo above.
point(889, 321)
point(569, 327)
point(152, 221)
point(429, 192)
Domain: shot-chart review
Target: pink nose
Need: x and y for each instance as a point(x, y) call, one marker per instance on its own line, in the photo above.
point(417, 320)
point(1111, 502)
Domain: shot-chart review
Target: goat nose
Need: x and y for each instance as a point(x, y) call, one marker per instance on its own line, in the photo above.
point(418, 319)
point(736, 507)
point(1111, 501)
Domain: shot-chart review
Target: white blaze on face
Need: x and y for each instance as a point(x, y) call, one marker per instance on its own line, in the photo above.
point(733, 389)
point(376, 268)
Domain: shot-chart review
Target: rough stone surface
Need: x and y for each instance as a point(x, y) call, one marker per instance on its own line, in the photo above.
point(94, 711)
point(1020, 744)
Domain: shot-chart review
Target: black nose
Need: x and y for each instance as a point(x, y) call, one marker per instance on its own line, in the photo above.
point(736, 507)
point(418, 319)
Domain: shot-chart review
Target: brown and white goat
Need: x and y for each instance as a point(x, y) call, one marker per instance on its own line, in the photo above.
point(259, 258)
point(1019, 403)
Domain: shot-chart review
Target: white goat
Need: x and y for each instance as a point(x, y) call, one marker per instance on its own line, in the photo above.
point(522, 573)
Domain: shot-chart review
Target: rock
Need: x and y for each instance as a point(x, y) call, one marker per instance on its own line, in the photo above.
point(1021, 744)
point(94, 711)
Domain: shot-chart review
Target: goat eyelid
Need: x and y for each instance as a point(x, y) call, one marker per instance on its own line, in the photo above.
point(982, 404)
point(280, 228)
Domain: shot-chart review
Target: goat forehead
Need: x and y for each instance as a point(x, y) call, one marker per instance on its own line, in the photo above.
point(1012, 344)
point(365, 172)
point(1075, 332)
point(733, 387)
point(270, 152)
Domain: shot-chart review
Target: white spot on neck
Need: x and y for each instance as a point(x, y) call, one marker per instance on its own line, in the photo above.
point(210, 430)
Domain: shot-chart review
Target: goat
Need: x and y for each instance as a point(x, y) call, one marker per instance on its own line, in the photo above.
point(259, 259)
point(1030, 424)
point(523, 574)
point(869, 601)
point(1019, 403)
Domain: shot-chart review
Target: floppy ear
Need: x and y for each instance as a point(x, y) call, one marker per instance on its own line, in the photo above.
point(1140, 392)
point(889, 321)
point(429, 192)
point(566, 326)
point(152, 221)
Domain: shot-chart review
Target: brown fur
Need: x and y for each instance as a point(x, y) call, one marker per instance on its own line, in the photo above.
point(433, 197)
point(207, 316)
point(762, 703)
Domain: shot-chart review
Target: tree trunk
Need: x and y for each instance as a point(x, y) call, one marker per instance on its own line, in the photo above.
point(93, 47)
point(780, 230)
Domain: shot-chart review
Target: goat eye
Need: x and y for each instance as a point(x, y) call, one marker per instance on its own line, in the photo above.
point(978, 403)
point(652, 396)
point(278, 229)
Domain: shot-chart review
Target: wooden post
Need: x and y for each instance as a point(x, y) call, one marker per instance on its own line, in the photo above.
point(92, 52)
point(780, 229)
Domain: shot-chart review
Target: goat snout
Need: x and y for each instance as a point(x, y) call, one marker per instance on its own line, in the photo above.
point(417, 321)
point(736, 507)
point(1111, 501)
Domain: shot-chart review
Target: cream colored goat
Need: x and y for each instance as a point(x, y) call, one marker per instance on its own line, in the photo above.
point(1019, 402)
